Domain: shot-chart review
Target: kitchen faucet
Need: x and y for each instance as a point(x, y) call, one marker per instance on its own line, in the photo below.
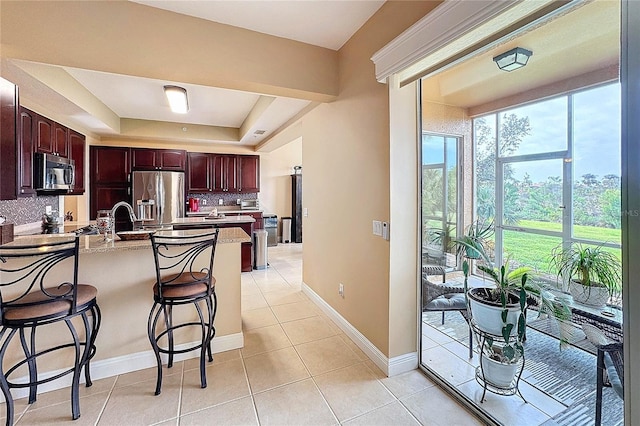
point(132, 215)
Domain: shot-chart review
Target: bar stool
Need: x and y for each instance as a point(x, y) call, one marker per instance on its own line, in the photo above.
point(39, 287)
point(184, 276)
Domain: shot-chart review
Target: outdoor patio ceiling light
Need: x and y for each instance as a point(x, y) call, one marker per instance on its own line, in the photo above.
point(513, 59)
point(177, 97)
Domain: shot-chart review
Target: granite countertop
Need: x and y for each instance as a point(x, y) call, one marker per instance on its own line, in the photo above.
point(95, 243)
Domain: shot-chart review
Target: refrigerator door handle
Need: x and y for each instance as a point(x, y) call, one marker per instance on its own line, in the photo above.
point(160, 188)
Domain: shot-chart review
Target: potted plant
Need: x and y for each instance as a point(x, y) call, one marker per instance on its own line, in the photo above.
point(592, 271)
point(500, 312)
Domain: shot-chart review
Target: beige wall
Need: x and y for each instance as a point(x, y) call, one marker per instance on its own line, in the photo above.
point(346, 153)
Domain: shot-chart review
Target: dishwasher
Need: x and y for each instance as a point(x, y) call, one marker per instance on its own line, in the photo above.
point(270, 222)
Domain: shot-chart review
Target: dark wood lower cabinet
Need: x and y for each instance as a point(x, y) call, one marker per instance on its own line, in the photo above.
point(246, 249)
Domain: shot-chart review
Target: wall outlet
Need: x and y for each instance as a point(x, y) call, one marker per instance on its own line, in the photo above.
point(204, 201)
point(341, 290)
point(220, 202)
point(238, 202)
point(47, 209)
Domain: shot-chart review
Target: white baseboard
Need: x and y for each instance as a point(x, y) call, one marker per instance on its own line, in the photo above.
point(128, 363)
point(390, 366)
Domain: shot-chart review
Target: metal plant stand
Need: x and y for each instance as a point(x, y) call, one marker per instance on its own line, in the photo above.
point(512, 389)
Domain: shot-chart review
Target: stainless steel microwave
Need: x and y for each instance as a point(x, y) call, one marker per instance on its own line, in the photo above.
point(53, 173)
point(250, 204)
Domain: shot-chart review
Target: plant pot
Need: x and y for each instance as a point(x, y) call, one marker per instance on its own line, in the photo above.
point(591, 295)
point(498, 373)
point(488, 315)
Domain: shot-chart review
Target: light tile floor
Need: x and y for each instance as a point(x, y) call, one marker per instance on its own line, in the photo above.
point(296, 368)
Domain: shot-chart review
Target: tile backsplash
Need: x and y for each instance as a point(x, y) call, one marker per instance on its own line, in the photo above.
point(227, 199)
point(27, 210)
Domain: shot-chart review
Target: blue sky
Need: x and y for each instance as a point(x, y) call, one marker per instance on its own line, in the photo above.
point(596, 135)
point(596, 132)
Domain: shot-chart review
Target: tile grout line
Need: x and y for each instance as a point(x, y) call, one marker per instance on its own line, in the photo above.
point(106, 401)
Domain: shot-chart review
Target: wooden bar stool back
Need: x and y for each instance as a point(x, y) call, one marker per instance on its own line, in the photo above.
point(184, 276)
point(39, 287)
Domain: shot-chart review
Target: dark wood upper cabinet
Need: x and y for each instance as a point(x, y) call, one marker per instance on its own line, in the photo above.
point(8, 137)
point(224, 173)
point(159, 159)
point(44, 135)
point(143, 159)
point(248, 173)
point(199, 173)
point(25, 153)
point(76, 151)
point(60, 140)
point(172, 159)
point(110, 164)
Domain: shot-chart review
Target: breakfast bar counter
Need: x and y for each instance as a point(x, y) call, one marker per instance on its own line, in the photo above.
point(124, 273)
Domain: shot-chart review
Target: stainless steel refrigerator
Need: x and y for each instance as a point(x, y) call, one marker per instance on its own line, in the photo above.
point(158, 197)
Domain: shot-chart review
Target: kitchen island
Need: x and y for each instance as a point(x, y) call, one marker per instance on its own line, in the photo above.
point(124, 273)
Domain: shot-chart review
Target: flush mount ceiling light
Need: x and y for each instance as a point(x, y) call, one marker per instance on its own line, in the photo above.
point(177, 97)
point(513, 59)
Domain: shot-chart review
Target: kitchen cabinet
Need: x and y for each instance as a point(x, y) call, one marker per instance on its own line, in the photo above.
point(111, 173)
point(43, 134)
point(40, 134)
point(159, 159)
point(60, 140)
point(258, 224)
point(8, 137)
point(76, 152)
point(224, 173)
point(246, 249)
point(248, 173)
point(199, 172)
point(24, 163)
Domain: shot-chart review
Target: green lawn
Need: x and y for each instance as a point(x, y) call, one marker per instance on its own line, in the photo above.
point(587, 232)
point(535, 250)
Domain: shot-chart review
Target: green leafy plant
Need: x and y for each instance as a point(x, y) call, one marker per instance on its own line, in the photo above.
point(510, 288)
point(589, 265)
point(513, 286)
point(473, 243)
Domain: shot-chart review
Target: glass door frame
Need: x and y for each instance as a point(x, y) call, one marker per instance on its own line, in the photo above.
point(459, 221)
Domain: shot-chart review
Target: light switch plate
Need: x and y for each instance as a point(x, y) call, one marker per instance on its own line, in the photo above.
point(305, 212)
point(377, 228)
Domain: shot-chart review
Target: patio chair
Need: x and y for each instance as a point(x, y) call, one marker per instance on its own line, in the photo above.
point(444, 297)
point(610, 361)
